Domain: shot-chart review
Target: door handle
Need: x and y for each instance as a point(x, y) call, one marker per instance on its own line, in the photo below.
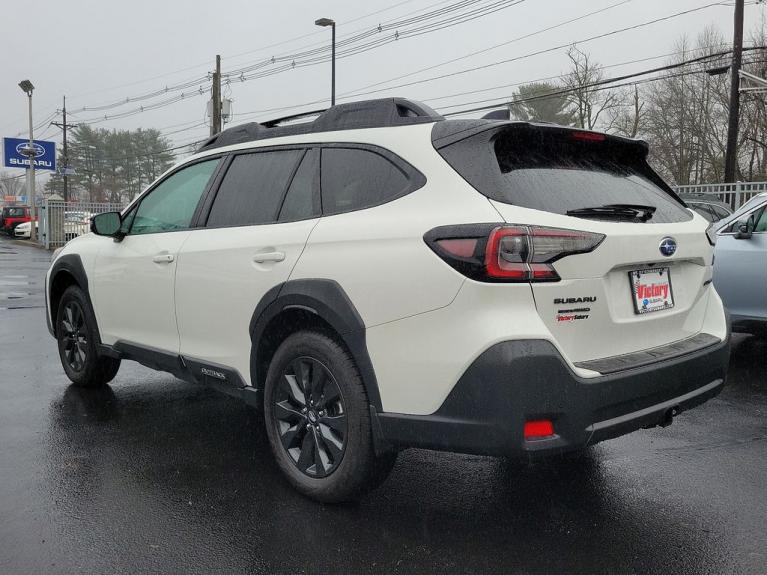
point(262, 257)
point(163, 258)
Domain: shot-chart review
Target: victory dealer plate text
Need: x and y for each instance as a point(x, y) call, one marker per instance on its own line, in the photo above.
point(651, 289)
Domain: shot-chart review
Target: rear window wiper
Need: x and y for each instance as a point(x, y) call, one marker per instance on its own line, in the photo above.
point(629, 211)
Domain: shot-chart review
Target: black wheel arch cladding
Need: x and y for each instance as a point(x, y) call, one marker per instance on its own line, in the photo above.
point(326, 299)
point(72, 265)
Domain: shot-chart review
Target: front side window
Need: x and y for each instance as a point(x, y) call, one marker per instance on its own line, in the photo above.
point(253, 188)
point(760, 221)
point(352, 179)
point(171, 205)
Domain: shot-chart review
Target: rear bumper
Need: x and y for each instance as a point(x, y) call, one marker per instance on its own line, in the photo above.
point(518, 381)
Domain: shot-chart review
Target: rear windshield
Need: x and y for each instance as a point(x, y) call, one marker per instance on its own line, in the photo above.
point(13, 212)
point(555, 173)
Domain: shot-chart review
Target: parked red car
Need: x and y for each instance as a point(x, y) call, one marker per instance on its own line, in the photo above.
point(12, 216)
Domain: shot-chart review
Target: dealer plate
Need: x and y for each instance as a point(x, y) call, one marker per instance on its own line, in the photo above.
point(651, 290)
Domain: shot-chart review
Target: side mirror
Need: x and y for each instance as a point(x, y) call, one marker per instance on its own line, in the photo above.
point(106, 224)
point(744, 230)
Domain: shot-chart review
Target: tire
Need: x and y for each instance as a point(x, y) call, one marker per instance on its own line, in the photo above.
point(325, 448)
point(78, 348)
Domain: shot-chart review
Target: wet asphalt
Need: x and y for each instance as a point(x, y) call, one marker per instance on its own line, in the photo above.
point(152, 475)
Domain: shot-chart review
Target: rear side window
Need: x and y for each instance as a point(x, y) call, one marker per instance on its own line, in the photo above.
point(353, 179)
point(548, 169)
point(253, 188)
point(302, 201)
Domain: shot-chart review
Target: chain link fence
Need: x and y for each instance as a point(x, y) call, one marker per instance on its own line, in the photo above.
point(62, 221)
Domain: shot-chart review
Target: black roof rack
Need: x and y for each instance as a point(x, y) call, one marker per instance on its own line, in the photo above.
point(385, 112)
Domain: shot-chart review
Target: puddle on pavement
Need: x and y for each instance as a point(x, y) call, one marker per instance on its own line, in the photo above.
point(14, 295)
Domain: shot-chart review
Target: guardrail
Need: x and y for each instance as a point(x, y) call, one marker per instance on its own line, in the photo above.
point(62, 221)
point(733, 194)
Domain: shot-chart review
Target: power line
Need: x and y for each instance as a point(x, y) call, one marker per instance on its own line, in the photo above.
point(316, 56)
point(357, 93)
point(604, 84)
point(186, 84)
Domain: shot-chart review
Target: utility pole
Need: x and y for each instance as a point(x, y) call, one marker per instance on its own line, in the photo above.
point(731, 157)
point(215, 125)
point(65, 156)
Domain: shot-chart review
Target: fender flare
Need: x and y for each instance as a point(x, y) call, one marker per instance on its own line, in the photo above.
point(72, 264)
point(327, 299)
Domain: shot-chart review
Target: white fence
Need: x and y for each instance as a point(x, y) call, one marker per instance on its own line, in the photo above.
point(62, 221)
point(733, 194)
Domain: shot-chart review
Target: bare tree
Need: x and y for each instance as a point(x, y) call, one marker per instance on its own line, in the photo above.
point(12, 184)
point(591, 106)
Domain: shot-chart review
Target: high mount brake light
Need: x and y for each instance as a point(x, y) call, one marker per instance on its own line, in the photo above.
point(508, 253)
point(588, 136)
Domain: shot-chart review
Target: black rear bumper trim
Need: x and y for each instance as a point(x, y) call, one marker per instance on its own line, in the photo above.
point(618, 363)
point(518, 381)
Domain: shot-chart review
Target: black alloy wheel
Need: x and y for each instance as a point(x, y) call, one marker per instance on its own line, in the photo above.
point(73, 334)
point(310, 417)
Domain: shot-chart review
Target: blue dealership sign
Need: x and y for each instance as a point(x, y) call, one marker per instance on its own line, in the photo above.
point(14, 154)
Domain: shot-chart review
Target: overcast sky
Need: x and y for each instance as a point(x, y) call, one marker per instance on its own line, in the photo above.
point(100, 52)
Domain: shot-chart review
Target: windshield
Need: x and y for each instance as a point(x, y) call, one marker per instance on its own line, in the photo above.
point(14, 212)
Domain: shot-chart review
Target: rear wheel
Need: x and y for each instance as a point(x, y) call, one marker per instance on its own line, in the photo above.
point(318, 420)
point(78, 349)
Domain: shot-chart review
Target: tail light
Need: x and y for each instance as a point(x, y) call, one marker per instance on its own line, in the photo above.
point(508, 253)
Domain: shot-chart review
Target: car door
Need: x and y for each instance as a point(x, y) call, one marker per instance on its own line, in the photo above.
point(740, 273)
point(133, 278)
point(256, 229)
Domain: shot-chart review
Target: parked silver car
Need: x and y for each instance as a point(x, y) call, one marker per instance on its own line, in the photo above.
point(740, 265)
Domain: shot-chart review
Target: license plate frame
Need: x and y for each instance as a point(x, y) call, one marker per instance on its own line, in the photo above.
point(649, 303)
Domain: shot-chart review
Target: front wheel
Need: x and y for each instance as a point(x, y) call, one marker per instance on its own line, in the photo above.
point(78, 349)
point(318, 420)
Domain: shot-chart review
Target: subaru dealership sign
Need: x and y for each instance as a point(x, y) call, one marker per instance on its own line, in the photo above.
point(15, 154)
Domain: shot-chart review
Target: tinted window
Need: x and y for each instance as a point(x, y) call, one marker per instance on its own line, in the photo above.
point(353, 179)
point(555, 170)
point(170, 206)
point(253, 188)
point(301, 202)
point(14, 212)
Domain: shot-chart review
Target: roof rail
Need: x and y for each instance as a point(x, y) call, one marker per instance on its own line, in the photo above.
point(381, 113)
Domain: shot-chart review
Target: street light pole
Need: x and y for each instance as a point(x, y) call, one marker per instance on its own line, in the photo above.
point(328, 22)
point(27, 87)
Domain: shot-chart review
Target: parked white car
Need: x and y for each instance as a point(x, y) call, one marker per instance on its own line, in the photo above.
point(24, 230)
point(491, 287)
point(75, 224)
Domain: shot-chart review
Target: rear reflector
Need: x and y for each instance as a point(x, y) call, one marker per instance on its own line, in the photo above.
point(538, 429)
point(463, 248)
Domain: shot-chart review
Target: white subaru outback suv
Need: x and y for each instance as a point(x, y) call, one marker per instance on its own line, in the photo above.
point(382, 278)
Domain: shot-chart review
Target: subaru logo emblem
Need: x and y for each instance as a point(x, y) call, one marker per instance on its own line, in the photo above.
point(36, 148)
point(668, 247)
